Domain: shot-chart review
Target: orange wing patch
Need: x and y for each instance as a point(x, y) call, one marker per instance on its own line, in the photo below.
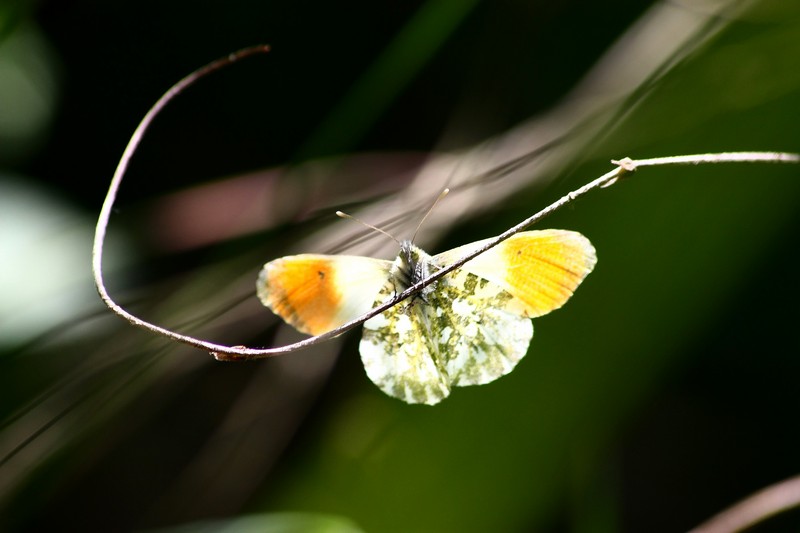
point(318, 293)
point(302, 290)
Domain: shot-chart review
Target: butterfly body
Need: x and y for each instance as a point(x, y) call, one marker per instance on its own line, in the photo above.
point(468, 328)
point(411, 266)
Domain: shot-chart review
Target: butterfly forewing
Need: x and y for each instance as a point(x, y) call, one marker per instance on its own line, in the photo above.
point(541, 269)
point(318, 293)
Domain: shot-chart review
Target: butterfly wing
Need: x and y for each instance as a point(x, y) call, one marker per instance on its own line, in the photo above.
point(399, 355)
point(459, 334)
point(318, 293)
point(470, 328)
point(541, 269)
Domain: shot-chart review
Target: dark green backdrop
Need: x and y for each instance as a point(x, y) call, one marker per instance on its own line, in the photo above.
point(663, 392)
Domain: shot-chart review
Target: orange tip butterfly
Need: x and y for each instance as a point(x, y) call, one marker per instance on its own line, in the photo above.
point(468, 328)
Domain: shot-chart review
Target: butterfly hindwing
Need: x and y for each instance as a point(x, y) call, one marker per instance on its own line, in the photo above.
point(480, 340)
point(458, 334)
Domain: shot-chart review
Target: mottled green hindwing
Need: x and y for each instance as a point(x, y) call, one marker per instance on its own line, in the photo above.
point(458, 334)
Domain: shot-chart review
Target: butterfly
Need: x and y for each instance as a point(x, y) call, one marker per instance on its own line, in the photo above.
point(470, 327)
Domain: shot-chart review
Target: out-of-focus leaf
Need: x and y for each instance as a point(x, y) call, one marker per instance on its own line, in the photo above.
point(43, 274)
point(270, 523)
point(28, 90)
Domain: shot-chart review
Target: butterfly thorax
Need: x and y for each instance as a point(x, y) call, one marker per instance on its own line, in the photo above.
point(412, 266)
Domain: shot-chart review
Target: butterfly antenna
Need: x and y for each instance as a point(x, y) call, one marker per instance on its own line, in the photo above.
point(435, 203)
point(342, 214)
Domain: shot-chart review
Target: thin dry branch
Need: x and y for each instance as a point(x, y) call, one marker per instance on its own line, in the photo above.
point(223, 352)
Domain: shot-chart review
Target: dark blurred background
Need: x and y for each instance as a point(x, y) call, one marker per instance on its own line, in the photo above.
point(663, 392)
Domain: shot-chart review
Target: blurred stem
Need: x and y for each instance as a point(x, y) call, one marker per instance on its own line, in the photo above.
point(756, 508)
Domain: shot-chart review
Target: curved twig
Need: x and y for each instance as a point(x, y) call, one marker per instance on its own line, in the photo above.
point(223, 352)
